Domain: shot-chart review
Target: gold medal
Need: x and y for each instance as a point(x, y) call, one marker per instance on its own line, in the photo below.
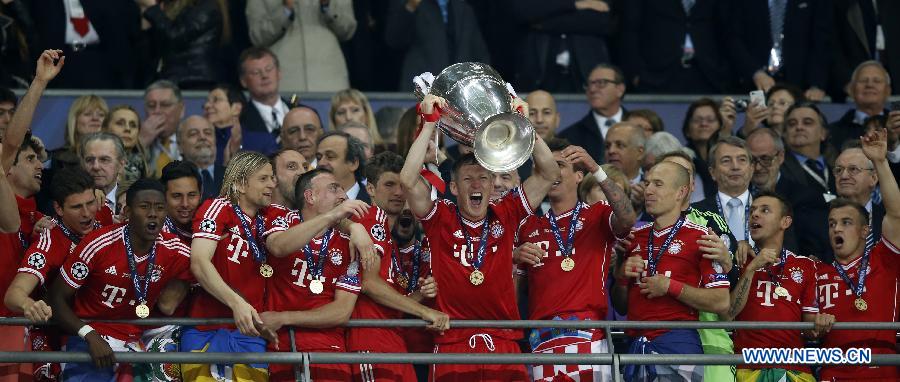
point(142, 310)
point(567, 264)
point(316, 286)
point(781, 291)
point(861, 304)
point(402, 281)
point(476, 277)
point(266, 270)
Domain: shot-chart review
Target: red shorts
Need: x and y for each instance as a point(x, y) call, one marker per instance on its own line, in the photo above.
point(317, 372)
point(859, 373)
point(492, 373)
point(368, 372)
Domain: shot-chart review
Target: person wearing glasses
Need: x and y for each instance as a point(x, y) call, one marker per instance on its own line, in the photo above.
point(807, 233)
point(604, 90)
point(869, 87)
point(855, 179)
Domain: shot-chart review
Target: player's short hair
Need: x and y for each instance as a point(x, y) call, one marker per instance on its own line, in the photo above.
point(304, 182)
point(34, 143)
point(681, 176)
point(386, 161)
point(463, 160)
point(239, 169)
point(69, 181)
point(786, 208)
point(557, 144)
point(844, 202)
point(143, 184)
point(180, 169)
point(7, 96)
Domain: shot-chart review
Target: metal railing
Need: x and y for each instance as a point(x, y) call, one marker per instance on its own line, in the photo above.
point(304, 359)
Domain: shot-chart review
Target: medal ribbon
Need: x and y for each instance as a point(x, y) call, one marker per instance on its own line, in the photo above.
point(482, 245)
point(412, 277)
point(746, 215)
point(783, 261)
point(178, 231)
point(66, 231)
point(316, 269)
point(565, 248)
point(140, 294)
point(653, 260)
point(259, 253)
point(863, 267)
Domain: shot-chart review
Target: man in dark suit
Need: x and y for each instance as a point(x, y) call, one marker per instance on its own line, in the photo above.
point(197, 143)
point(863, 30)
point(96, 36)
point(434, 35)
point(604, 90)
point(264, 114)
point(781, 41)
point(804, 161)
point(344, 156)
point(564, 41)
point(673, 46)
point(730, 167)
point(855, 179)
point(869, 87)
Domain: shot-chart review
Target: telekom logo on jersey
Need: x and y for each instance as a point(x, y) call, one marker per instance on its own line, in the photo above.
point(764, 290)
point(545, 246)
point(113, 294)
point(459, 250)
point(239, 248)
point(827, 292)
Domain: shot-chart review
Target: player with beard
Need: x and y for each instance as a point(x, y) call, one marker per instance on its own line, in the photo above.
point(392, 286)
point(672, 278)
point(119, 272)
point(566, 256)
point(314, 285)
point(229, 261)
point(472, 247)
point(182, 183)
point(777, 285)
point(861, 284)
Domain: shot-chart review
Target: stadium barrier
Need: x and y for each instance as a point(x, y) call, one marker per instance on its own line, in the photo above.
point(303, 360)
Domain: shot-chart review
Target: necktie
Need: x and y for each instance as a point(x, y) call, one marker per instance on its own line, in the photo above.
point(687, 4)
point(735, 220)
point(208, 185)
point(276, 130)
point(164, 157)
point(816, 167)
point(444, 6)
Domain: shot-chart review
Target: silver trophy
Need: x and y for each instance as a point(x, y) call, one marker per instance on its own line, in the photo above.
point(479, 114)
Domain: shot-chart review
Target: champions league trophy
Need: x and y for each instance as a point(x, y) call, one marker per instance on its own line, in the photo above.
point(479, 114)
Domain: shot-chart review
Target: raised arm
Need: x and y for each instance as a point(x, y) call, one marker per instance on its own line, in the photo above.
point(418, 192)
point(281, 244)
point(623, 213)
point(546, 171)
point(21, 121)
point(874, 146)
point(245, 316)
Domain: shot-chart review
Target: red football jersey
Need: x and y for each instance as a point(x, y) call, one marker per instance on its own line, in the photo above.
point(216, 220)
point(382, 339)
point(171, 227)
point(798, 277)
point(98, 268)
point(288, 288)
point(880, 294)
point(14, 246)
point(418, 340)
point(45, 256)
point(452, 258)
point(554, 292)
point(681, 261)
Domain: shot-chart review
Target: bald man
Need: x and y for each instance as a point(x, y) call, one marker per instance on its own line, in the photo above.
point(625, 143)
point(542, 113)
point(301, 129)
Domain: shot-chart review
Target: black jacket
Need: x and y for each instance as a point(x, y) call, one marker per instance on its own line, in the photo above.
point(430, 44)
point(586, 133)
point(653, 39)
point(845, 129)
point(793, 170)
point(189, 45)
point(807, 28)
point(585, 32)
point(261, 138)
point(851, 43)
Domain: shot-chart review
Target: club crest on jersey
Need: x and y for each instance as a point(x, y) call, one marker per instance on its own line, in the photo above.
point(79, 271)
point(208, 225)
point(496, 230)
point(676, 246)
point(155, 274)
point(378, 233)
point(796, 275)
point(37, 260)
point(579, 224)
point(336, 256)
point(458, 234)
point(426, 255)
point(353, 269)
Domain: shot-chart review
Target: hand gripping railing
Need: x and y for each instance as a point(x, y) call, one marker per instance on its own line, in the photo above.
point(303, 360)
